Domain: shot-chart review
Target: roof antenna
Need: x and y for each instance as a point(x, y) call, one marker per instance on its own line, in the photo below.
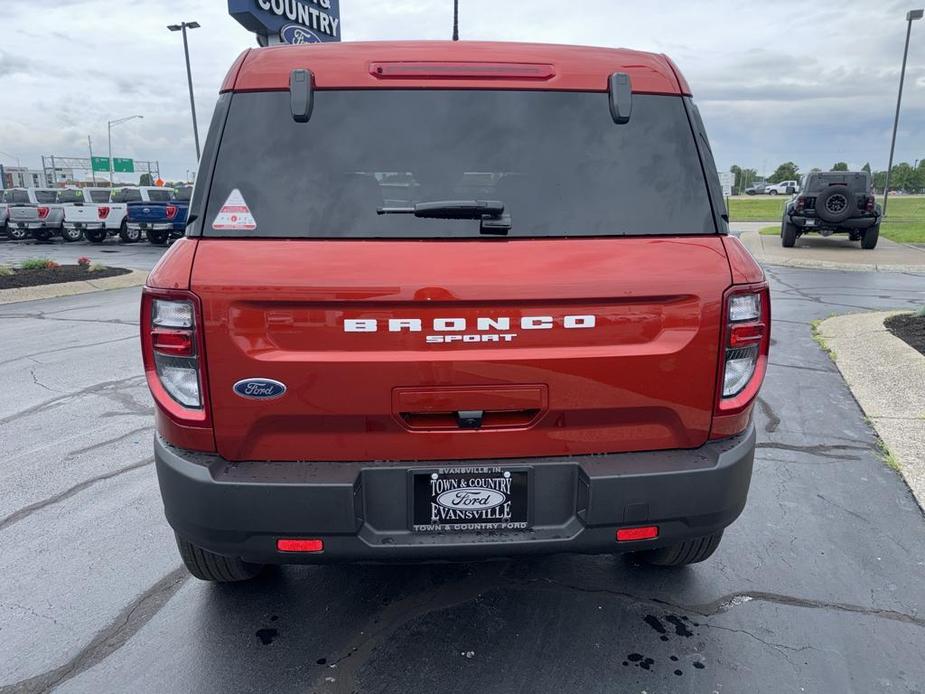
point(456, 20)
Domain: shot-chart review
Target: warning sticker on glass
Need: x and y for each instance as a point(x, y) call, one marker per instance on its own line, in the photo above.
point(235, 214)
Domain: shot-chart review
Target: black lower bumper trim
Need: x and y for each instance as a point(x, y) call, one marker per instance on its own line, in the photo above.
point(361, 509)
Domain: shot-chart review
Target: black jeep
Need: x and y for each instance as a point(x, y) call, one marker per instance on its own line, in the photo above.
point(831, 203)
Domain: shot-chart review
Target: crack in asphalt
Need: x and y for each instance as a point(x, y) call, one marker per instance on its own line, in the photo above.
point(821, 450)
point(727, 602)
point(110, 639)
point(103, 388)
point(70, 455)
point(26, 511)
point(773, 420)
point(70, 347)
point(36, 381)
point(41, 316)
point(802, 368)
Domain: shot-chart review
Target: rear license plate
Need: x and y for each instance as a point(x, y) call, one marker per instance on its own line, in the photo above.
point(810, 222)
point(21, 225)
point(78, 225)
point(465, 499)
point(142, 226)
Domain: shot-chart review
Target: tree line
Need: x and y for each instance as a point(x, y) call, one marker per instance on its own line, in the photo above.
point(909, 178)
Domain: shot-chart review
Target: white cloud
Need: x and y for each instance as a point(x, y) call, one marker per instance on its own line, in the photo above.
point(788, 80)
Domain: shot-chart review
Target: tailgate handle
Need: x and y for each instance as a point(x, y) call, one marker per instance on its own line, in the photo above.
point(469, 419)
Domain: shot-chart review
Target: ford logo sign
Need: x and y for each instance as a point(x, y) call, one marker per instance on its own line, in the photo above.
point(297, 35)
point(259, 388)
point(147, 210)
point(471, 498)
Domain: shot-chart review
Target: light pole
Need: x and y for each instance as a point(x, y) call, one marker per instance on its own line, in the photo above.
point(183, 26)
point(911, 16)
point(109, 125)
point(456, 20)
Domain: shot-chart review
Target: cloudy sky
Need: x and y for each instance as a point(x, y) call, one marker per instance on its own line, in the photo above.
point(812, 82)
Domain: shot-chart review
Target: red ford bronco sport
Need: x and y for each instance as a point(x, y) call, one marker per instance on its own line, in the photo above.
point(453, 300)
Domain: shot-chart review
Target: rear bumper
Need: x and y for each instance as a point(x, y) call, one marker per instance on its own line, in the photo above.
point(812, 223)
point(146, 226)
point(84, 226)
point(361, 510)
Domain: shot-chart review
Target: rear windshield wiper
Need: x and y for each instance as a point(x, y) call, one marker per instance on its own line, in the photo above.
point(489, 212)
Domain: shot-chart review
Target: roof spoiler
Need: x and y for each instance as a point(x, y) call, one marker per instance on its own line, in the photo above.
point(301, 94)
point(621, 97)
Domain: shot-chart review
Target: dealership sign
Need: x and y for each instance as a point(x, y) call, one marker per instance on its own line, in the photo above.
point(289, 21)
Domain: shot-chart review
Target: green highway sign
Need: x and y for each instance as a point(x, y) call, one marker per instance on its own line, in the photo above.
point(123, 165)
point(100, 163)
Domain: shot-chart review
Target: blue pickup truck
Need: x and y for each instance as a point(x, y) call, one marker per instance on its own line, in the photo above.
point(160, 221)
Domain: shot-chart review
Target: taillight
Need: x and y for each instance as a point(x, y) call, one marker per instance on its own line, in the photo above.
point(171, 211)
point(172, 349)
point(103, 211)
point(43, 212)
point(801, 204)
point(746, 338)
point(870, 203)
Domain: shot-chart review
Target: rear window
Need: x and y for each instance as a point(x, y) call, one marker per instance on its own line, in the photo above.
point(557, 161)
point(856, 182)
point(71, 195)
point(19, 196)
point(159, 195)
point(99, 195)
point(127, 195)
point(183, 194)
point(46, 196)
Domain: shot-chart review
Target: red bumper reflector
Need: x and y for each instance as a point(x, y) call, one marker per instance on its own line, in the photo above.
point(646, 532)
point(300, 545)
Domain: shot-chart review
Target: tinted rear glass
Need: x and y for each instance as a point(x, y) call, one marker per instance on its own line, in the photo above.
point(857, 182)
point(127, 195)
point(19, 196)
point(46, 196)
point(159, 195)
point(99, 195)
point(557, 161)
point(183, 194)
point(71, 196)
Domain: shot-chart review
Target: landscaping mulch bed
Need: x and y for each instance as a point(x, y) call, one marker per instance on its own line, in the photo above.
point(909, 328)
point(64, 273)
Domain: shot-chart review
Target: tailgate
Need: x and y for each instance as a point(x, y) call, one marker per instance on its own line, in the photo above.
point(147, 211)
point(81, 213)
point(430, 350)
point(24, 213)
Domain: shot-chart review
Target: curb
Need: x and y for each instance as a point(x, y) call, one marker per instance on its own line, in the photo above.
point(135, 278)
point(750, 239)
point(888, 387)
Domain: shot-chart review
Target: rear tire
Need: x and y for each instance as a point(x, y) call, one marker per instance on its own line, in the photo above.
point(129, 235)
point(870, 237)
point(95, 236)
point(772, 192)
point(788, 234)
point(208, 566)
point(71, 235)
point(17, 234)
point(684, 553)
point(157, 238)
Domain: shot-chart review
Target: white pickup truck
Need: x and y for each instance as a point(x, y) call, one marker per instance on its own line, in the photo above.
point(782, 188)
point(85, 211)
point(99, 219)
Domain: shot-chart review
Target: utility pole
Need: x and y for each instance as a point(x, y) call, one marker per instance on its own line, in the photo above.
point(456, 20)
point(92, 172)
point(911, 16)
point(183, 26)
point(109, 125)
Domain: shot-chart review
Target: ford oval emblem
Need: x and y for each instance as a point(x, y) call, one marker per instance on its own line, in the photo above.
point(471, 499)
point(297, 35)
point(259, 388)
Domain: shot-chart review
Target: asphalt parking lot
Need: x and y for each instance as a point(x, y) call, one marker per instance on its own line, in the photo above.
point(817, 588)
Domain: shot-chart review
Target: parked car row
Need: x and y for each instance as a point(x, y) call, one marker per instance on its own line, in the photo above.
point(158, 214)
